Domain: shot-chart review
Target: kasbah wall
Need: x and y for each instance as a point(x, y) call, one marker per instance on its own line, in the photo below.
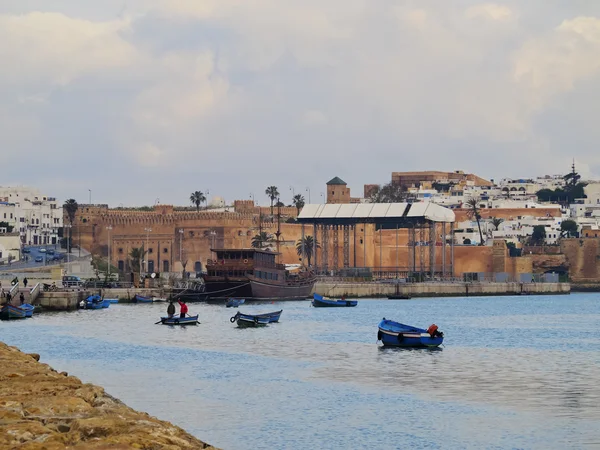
point(204, 229)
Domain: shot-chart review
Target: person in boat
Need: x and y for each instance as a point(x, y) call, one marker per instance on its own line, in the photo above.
point(183, 309)
point(22, 298)
point(343, 297)
point(171, 309)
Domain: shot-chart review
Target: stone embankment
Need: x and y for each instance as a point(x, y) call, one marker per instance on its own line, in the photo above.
point(378, 290)
point(43, 409)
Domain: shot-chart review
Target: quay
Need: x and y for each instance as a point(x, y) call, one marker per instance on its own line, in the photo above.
point(41, 408)
point(336, 289)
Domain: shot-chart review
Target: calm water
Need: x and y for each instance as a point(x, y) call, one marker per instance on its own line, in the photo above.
point(515, 372)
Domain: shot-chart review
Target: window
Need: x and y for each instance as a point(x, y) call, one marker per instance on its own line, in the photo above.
point(165, 265)
point(121, 263)
point(150, 250)
point(197, 266)
point(165, 250)
point(120, 250)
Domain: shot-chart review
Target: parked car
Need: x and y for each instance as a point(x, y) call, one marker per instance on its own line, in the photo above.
point(71, 281)
point(42, 250)
point(39, 258)
point(50, 251)
point(26, 250)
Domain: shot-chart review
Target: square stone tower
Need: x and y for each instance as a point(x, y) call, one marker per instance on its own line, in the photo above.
point(337, 191)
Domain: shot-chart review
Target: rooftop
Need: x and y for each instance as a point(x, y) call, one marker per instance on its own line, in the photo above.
point(336, 181)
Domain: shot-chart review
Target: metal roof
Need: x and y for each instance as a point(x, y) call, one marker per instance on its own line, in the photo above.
point(336, 181)
point(374, 212)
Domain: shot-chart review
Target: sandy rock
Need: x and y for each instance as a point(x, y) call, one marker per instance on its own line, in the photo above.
point(34, 356)
point(43, 409)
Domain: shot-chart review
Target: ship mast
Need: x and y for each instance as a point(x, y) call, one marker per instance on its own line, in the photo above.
point(278, 232)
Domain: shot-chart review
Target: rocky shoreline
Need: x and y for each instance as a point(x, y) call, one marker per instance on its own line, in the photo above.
point(41, 408)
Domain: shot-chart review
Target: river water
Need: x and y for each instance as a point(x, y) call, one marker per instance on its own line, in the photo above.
point(514, 372)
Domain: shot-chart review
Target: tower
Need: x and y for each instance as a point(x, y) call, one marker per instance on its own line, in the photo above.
point(337, 191)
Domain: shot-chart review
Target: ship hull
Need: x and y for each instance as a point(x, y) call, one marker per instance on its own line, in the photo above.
point(266, 291)
point(227, 289)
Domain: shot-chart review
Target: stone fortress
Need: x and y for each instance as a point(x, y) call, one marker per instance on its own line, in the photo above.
point(176, 236)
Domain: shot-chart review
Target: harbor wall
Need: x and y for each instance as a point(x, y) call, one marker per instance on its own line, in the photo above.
point(379, 290)
point(41, 408)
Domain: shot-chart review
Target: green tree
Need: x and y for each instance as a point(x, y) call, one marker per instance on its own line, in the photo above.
point(390, 193)
point(497, 222)
point(569, 228)
point(272, 193)
point(197, 198)
point(259, 240)
point(136, 255)
point(298, 202)
point(474, 213)
point(71, 206)
point(6, 225)
point(538, 235)
point(307, 250)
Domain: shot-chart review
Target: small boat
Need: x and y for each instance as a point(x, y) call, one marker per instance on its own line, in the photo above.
point(249, 320)
point(141, 299)
point(105, 303)
point(272, 316)
point(235, 302)
point(395, 334)
point(320, 302)
point(111, 300)
point(94, 302)
point(28, 309)
point(399, 297)
point(8, 312)
point(176, 320)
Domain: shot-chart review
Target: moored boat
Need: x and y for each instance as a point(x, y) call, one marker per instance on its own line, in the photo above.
point(272, 316)
point(112, 300)
point(249, 320)
point(105, 303)
point(28, 309)
point(141, 299)
point(8, 312)
point(235, 302)
point(176, 320)
point(93, 302)
point(395, 334)
point(319, 302)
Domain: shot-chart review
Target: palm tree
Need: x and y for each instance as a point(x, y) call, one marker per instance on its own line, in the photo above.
point(197, 198)
point(473, 213)
point(137, 255)
point(71, 207)
point(272, 193)
point(497, 222)
point(308, 248)
point(260, 239)
point(298, 202)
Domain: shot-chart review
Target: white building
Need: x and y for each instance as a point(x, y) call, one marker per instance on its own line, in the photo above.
point(36, 217)
point(10, 247)
point(592, 192)
point(521, 229)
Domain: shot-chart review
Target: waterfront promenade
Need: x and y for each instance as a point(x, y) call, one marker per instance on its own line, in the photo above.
point(43, 409)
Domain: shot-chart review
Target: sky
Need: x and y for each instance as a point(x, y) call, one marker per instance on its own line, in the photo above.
point(146, 101)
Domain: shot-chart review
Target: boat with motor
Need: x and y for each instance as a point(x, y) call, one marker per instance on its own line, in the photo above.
point(319, 302)
point(395, 334)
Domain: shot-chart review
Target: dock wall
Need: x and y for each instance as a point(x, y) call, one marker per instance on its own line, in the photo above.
point(379, 290)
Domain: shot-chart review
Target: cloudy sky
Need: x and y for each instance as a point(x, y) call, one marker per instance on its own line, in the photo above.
point(147, 100)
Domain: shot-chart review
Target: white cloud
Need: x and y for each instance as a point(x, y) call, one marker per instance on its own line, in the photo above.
point(490, 11)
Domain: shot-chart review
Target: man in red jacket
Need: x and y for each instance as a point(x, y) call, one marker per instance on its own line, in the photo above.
point(184, 309)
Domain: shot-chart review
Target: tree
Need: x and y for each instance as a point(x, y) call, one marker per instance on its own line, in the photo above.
point(137, 255)
point(569, 228)
point(307, 250)
point(390, 193)
point(259, 240)
point(538, 235)
point(279, 204)
point(197, 198)
point(71, 206)
point(6, 225)
point(497, 222)
point(298, 202)
point(473, 213)
point(272, 193)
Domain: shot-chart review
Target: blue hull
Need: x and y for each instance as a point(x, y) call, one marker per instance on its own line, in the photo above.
point(8, 312)
point(105, 303)
point(141, 299)
point(395, 334)
point(94, 302)
point(111, 300)
point(28, 309)
point(272, 316)
point(235, 302)
point(191, 320)
point(249, 320)
point(320, 302)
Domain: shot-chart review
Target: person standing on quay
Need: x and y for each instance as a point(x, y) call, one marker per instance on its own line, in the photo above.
point(184, 309)
point(22, 298)
point(25, 282)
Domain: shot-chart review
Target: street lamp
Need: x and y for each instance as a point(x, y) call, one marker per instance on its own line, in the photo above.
point(206, 197)
point(68, 227)
point(147, 230)
point(90, 196)
point(180, 245)
point(293, 191)
point(252, 196)
point(308, 190)
point(323, 195)
point(109, 258)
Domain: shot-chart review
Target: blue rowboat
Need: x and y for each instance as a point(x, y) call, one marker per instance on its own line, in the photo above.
point(28, 309)
point(8, 312)
point(94, 302)
point(395, 334)
point(249, 320)
point(272, 316)
point(111, 300)
point(176, 320)
point(320, 302)
point(235, 302)
point(105, 303)
point(141, 299)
